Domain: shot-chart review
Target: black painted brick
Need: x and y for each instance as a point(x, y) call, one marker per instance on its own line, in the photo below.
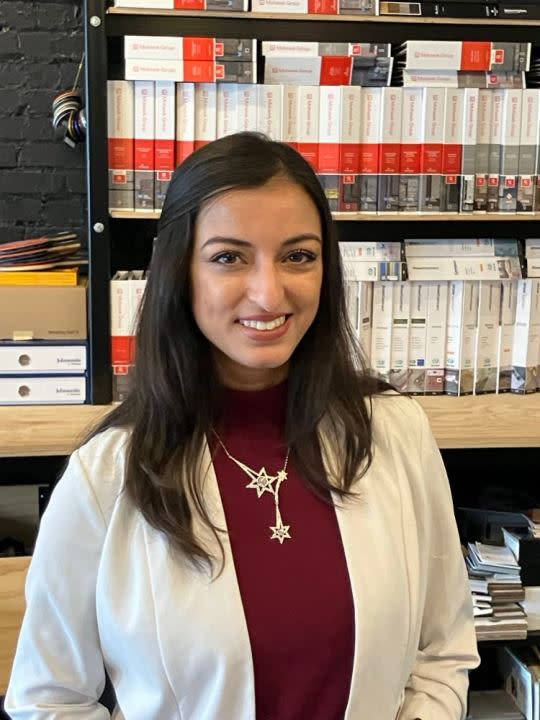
point(29, 182)
point(8, 156)
point(56, 154)
point(10, 233)
point(8, 43)
point(65, 212)
point(11, 102)
point(11, 128)
point(26, 209)
point(18, 15)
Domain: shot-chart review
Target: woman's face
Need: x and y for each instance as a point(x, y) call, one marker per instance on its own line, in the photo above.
point(256, 278)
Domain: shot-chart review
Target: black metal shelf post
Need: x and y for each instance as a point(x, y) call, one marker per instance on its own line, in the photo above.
point(98, 202)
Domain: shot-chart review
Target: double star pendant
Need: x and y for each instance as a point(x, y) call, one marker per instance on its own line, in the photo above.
point(263, 482)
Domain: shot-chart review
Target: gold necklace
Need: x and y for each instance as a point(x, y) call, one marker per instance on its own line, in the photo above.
point(262, 482)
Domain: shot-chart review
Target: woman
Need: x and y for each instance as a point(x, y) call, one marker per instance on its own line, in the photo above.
point(259, 530)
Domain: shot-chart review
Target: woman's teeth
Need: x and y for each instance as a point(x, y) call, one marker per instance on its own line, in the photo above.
point(259, 325)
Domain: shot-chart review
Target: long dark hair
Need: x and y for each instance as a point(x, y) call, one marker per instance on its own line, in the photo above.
point(171, 407)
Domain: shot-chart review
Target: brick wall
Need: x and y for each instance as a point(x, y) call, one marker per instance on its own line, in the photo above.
point(42, 182)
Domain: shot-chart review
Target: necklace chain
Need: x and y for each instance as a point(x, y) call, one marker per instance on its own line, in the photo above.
point(262, 482)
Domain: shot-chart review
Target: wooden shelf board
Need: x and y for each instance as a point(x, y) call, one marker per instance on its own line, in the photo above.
point(46, 429)
point(465, 422)
point(382, 19)
point(367, 217)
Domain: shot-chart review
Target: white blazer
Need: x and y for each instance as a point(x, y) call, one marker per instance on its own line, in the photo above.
point(103, 590)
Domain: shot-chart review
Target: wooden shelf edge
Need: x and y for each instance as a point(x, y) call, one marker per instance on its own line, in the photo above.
point(488, 421)
point(382, 19)
point(367, 217)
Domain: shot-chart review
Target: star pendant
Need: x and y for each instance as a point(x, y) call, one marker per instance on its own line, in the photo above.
point(262, 483)
point(280, 532)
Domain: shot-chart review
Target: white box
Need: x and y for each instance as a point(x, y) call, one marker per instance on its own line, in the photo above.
point(120, 318)
point(460, 339)
point(509, 162)
point(279, 6)
point(370, 250)
point(144, 145)
point(286, 48)
point(458, 247)
point(390, 150)
point(468, 149)
point(431, 156)
point(329, 129)
point(247, 103)
point(148, 4)
point(205, 113)
point(185, 121)
point(34, 358)
point(483, 137)
point(154, 70)
point(136, 288)
point(417, 337)
point(381, 328)
point(289, 125)
point(526, 347)
point(269, 110)
point(308, 124)
point(467, 268)
point(365, 310)
point(349, 160)
point(292, 71)
point(30, 390)
point(530, 113)
point(411, 140)
point(399, 355)
point(148, 47)
point(452, 149)
point(436, 337)
point(507, 322)
point(165, 142)
point(532, 248)
point(486, 361)
point(370, 145)
point(494, 158)
point(227, 109)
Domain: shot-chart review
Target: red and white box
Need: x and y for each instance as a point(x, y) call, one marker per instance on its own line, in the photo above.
point(468, 155)
point(308, 125)
point(147, 4)
point(432, 150)
point(120, 131)
point(227, 109)
point(390, 150)
point(411, 140)
point(269, 110)
point(185, 121)
point(205, 113)
point(483, 135)
point(120, 319)
point(452, 149)
point(247, 101)
point(289, 48)
point(290, 120)
point(164, 153)
point(448, 55)
point(279, 70)
point(336, 70)
point(351, 98)
point(313, 7)
point(370, 141)
point(329, 129)
point(144, 145)
point(189, 5)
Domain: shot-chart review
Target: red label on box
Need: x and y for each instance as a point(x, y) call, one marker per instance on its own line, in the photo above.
point(450, 179)
point(480, 181)
point(349, 157)
point(369, 158)
point(390, 158)
point(510, 182)
point(525, 182)
point(203, 71)
point(120, 349)
point(336, 70)
point(189, 4)
point(184, 148)
point(410, 159)
point(451, 159)
point(328, 158)
point(322, 7)
point(120, 153)
point(220, 49)
point(198, 48)
point(309, 151)
point(475, 56)
point(493, 181)
point(119, 178)
point(431, 158)
point(164, 155)
point(144, 154)
point(164, 175)
point(498, 56)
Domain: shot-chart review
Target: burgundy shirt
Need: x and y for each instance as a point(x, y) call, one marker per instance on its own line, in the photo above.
point(297, 597)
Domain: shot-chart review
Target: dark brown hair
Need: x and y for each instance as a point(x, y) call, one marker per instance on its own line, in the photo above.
point(172, 404)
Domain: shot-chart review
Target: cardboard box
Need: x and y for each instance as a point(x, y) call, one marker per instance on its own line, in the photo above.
point(43, 313)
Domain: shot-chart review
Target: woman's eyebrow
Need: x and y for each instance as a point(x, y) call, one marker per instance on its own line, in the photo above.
point(220, 239)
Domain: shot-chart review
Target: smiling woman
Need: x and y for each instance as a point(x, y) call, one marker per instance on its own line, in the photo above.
point(262, 529)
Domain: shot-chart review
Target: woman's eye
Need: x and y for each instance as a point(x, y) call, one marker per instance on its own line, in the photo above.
point(226, 258)
point(301, 257)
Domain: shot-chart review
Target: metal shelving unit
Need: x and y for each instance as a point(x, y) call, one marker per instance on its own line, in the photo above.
point(124, 239)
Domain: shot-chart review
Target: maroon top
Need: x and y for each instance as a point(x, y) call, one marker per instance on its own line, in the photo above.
point(296, 595)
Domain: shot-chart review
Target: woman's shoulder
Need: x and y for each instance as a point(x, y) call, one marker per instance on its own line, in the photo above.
point(397, 417)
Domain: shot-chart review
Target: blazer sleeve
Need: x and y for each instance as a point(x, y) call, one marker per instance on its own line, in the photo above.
point(58, 671)
point(437, 687)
